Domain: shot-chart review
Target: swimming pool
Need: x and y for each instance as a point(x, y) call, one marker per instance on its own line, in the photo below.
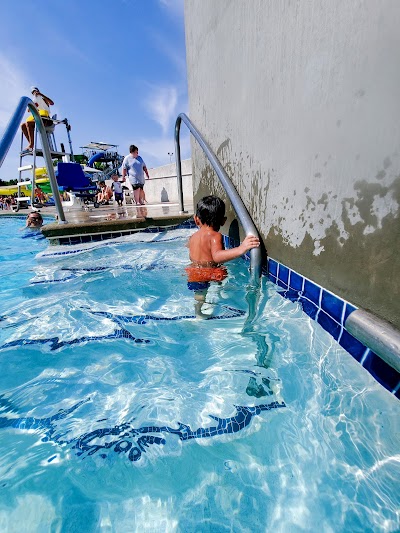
point(119, 411)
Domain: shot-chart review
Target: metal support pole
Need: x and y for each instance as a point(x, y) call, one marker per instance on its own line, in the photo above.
point(178, 165)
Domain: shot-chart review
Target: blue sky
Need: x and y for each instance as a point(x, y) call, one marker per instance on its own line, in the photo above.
point(115, 68)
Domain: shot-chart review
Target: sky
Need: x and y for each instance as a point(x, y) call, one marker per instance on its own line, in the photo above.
point(116, 69)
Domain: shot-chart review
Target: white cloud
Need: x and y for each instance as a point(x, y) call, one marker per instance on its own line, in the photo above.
point(161, 105)
point(13, 86)
point(175, 6)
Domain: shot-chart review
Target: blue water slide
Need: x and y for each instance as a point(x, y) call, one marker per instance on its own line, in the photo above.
point(95, 157)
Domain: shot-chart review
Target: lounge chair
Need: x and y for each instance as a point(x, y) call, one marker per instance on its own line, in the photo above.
point(71, 177)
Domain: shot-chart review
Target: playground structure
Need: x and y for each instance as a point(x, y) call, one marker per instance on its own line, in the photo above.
point(102, 154)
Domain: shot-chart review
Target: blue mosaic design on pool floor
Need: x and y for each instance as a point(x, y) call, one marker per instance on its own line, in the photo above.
point(121, 333)
point(129, 440)
point(76, 271)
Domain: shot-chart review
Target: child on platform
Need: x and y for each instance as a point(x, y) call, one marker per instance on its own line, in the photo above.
point(116, 186)
point(206, 249)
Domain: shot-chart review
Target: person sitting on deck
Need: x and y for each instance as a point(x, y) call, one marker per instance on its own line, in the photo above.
point(206, 249)
point(105, 193)
point(43, 103)
point(39, 195)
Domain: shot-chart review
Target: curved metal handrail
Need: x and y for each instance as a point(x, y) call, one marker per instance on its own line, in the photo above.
point(237, 203)
point(8, 137)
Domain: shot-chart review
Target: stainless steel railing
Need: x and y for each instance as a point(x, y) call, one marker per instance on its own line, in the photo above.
point(378, 335)
point(237, 203)
point(8, 137)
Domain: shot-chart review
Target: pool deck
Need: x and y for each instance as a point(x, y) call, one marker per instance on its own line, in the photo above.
point(108, 220)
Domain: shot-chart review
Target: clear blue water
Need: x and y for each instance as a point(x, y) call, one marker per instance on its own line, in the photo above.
point(119, 411)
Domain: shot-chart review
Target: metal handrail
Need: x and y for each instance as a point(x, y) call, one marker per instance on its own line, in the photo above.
point(8, 137)
point(237, 203)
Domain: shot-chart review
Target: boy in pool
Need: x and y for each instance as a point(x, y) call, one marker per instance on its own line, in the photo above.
point(206, 249)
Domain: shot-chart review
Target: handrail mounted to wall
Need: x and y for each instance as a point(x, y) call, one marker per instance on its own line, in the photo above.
point(237, 203)
point(8, 137)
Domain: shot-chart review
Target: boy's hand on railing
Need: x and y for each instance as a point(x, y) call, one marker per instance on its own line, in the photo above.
point(250, 242)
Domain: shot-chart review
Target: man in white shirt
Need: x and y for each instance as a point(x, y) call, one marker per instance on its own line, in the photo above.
point(43, 103)
point(135, 168)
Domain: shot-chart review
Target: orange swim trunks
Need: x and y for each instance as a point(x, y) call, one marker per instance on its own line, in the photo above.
point(205, 274)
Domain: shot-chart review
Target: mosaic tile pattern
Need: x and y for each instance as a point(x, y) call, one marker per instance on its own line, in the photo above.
point(125, 438)
point(55, 343)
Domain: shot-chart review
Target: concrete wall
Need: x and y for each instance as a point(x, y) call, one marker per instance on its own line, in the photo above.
point(301, 102)
point(162, 187)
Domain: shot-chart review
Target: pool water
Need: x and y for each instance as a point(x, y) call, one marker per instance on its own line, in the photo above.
point(120, 411)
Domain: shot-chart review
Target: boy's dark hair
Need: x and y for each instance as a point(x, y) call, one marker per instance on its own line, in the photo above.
point(133, 148)
point(211, 211)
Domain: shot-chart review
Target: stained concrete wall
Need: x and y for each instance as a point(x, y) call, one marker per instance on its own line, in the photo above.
point(301, 102)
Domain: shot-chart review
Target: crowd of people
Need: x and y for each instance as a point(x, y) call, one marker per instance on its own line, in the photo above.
point(7, 202)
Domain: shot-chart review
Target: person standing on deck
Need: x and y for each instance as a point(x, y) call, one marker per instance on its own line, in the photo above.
point(135, 168)
point(43, 103)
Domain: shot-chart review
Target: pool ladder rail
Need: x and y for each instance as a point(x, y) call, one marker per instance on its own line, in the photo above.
point(237, 203)
point(378, 335)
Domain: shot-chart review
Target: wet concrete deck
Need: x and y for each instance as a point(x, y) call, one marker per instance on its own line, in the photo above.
point(108, 220)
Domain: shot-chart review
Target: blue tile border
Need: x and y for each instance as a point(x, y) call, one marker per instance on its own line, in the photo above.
point(96, 237)
point(331, 312)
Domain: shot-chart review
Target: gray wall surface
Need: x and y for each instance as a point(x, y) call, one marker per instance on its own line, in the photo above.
point(163, 185)
point(301, 103)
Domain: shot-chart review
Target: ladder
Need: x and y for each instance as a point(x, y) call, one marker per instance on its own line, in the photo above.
point(23, 201)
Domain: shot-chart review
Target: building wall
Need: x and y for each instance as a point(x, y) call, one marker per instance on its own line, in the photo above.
point(163, 187)
point(301, 103)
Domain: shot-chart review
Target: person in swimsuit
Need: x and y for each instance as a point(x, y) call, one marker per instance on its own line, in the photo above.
point(43, 103)
point(105, 193)
point(206, 249)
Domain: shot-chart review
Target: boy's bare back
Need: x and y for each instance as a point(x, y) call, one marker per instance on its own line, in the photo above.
point(202, 244)
point(206, 247)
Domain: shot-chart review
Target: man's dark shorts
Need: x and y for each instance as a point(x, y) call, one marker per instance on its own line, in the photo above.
point(137, 186)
